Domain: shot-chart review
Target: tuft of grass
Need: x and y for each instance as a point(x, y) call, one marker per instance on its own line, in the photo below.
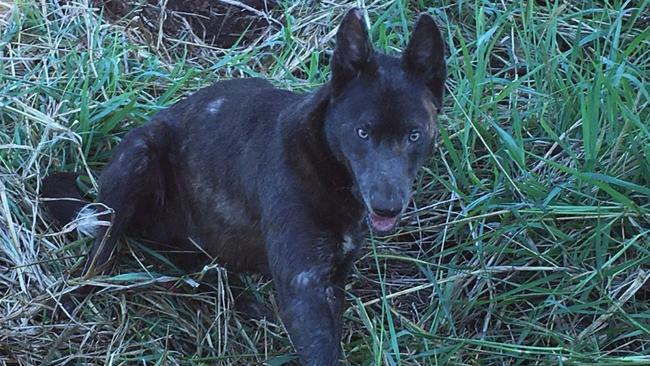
point(528, 240)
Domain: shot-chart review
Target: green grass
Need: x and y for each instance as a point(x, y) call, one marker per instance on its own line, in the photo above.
point(528, 241)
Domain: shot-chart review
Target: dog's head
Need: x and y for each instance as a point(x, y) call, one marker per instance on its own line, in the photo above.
point(381, 119)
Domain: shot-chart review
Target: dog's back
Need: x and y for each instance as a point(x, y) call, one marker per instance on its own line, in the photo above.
point(220, 139)
point(198, 167)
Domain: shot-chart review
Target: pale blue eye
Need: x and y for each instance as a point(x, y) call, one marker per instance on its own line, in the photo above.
point(362, 133)
point(414, 136)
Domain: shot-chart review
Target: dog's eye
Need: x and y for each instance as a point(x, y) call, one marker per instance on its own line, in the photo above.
point(362, 133)
point(414, 136)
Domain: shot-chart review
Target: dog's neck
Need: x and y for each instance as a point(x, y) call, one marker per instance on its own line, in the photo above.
point(305, 141)
point(310, 157)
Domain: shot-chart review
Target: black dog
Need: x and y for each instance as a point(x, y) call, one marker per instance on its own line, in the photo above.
point(273, 182)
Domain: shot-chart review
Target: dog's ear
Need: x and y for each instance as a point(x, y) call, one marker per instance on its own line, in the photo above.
point(425, 56)
point(354, 52)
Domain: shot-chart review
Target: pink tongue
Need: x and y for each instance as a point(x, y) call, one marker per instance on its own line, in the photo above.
point(382, 224)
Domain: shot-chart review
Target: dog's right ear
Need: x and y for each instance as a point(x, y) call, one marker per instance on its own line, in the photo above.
point(354, 52)
point(425, 56)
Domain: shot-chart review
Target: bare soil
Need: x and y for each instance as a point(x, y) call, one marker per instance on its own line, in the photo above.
point(221, 23)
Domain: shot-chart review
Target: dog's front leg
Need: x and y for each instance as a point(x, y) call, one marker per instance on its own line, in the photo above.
point(310, 303)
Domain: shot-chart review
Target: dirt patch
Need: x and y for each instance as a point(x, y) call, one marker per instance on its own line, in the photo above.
point(222, 23)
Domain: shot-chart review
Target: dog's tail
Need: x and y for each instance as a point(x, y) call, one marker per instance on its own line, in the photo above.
point(64, 201)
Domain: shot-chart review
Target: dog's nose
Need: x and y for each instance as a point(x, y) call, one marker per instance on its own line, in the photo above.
point(387, 211)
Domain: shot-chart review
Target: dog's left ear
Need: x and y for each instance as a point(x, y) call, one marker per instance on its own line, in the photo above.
point(425, 56)
point(354, 52)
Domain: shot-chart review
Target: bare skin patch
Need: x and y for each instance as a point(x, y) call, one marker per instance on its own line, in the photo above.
point(304, 278)
point(214, 106)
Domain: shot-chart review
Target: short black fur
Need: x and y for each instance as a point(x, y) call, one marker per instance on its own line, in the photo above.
point(278, 183)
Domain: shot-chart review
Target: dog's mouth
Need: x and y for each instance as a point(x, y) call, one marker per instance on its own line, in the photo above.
point(382, 225)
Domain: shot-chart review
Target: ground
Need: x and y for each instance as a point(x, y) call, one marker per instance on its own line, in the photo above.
point(215, 22)
point(527, 242)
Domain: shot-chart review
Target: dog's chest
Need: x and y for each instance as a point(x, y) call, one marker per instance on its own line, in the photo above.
point(350, 245)
point(347, 251)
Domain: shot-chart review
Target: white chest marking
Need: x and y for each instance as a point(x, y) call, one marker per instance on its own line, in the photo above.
point(348, 245)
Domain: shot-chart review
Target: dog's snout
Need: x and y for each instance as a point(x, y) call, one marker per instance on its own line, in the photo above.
point(387, 200)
